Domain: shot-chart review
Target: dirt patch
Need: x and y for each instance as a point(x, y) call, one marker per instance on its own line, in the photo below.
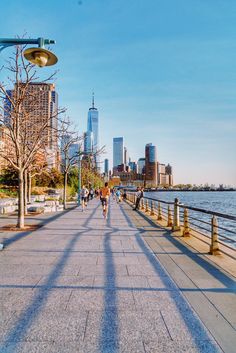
point(14, 228)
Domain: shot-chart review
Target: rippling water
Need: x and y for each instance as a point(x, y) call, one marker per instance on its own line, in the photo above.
point(222, 202)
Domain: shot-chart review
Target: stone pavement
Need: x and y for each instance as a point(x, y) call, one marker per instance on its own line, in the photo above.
point(81, 284)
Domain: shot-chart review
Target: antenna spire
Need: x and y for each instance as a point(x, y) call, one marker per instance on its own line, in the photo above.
point(93, 101)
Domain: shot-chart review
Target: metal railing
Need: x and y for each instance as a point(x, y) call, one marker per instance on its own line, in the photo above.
point(219, 228)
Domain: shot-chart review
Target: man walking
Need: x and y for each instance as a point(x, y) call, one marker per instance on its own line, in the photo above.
point(139, 195)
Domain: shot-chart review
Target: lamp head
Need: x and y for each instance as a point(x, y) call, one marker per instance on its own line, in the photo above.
point(40, 56)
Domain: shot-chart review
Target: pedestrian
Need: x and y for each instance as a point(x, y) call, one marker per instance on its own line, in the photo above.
point(139, 195)
point(91, 193)
point(84, 197)
point(124, 195)
point(104, 197)
point(118, 195)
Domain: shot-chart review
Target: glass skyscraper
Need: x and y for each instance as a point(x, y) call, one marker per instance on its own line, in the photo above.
point(106, 166)
point(93, 130)
point(118, 151)
point(88, 142)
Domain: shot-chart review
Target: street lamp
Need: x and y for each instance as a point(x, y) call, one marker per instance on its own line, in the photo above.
point(79, 181)
point(38, 56)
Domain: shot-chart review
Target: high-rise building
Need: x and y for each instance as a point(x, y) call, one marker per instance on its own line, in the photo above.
point(93, 127)
point(88, 142)
point(118, 151)
point(39, 110)
point(125, 156)
point(141, 165)
point(151, 164)
point(106, 166)
point(133, 166)
point(168, 169)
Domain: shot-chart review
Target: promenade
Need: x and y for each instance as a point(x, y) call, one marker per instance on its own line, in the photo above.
point(81, 284)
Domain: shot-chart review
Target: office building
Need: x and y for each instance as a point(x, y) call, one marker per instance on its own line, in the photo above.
point(93, 129)
point(39, 110)
point(125, 156)
point(133, 166)
point(88, 142)
point(118, 151)
point(141, 165)
point(106, 166)
point(168, 169)
point(150, 164)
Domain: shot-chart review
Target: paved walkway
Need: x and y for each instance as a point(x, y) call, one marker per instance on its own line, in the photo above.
point(81, 284)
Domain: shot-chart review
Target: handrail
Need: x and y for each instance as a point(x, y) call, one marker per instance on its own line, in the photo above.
point(181, 222)
point(213, 213)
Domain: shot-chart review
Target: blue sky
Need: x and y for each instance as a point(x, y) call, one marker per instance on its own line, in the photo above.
point(162, 71)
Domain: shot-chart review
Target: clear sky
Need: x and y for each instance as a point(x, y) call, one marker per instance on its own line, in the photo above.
point(162, 71)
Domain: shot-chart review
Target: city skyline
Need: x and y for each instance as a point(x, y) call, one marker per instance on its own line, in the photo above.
point(167, 75)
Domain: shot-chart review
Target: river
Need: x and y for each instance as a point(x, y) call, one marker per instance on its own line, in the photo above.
point(217, 201)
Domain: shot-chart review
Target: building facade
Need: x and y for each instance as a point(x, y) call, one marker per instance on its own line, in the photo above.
point(141, 166)
point(93, 131)
point(151, 164)
point(118, 151)
point(39, 112)
point(88, 142)
point(106, 166)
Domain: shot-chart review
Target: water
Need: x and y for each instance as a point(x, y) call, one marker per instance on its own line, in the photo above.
point(222, 202)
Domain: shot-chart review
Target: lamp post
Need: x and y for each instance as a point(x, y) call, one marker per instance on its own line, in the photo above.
point(79, 181)
point(38, 56)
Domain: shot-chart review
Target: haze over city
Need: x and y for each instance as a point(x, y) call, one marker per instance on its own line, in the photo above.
point(161, 72)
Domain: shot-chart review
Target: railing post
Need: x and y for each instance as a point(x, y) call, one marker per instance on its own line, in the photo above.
point(186, 231)
point(170, 222)
point(146, 209)
point(159, 215)
point(152, 209)
point(176, 225)
point(142, 204)
point(214, 247)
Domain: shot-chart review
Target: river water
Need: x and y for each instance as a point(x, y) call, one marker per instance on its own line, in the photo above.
point(217, 201)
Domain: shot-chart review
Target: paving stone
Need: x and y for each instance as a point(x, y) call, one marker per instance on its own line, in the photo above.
point(81, 284)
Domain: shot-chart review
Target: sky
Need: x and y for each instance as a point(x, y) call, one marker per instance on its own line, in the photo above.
point(162, 71)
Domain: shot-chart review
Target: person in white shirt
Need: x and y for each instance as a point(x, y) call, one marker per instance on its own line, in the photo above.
point(84, 197)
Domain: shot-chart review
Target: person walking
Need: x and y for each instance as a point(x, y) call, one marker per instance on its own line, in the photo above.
point(104, 196)
point(84, 197)
point(91, 193)
point(139, 195)
point(118, 196)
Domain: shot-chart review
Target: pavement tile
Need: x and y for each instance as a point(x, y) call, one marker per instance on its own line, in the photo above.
point(41, 347)
point(84, 285)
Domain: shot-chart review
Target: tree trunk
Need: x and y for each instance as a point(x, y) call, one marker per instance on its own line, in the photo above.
point(64, 191)
point(21, 218)
point(29, 188)
point(25, 191)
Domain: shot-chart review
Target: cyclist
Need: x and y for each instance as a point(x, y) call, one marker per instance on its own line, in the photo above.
point(104, 196)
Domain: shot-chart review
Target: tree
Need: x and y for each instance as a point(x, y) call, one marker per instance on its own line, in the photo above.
point(24, 135)
point(70, 143)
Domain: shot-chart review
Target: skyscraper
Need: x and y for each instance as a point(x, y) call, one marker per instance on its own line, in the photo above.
point(118, 151)
point(39, 108)
point(93, 125)
point(125, 156)
point(93, 132)
point(106, 166)
point(151, 164)
point(88, 142)
point(141, 165)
